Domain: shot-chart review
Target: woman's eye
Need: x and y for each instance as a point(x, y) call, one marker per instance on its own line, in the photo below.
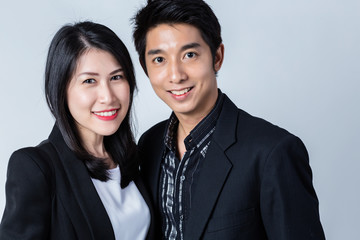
point(117, 77)
point(190, 55)
point(158, 59)
point(91, 80)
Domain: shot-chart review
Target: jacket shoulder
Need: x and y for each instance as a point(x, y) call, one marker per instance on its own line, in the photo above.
point(153, 133)
point(259, 126)
point(238, 128)
point(28, 196)
point(38, 156)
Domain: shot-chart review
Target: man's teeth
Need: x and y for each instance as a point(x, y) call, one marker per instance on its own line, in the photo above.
point(105, 114)
point(181, 92)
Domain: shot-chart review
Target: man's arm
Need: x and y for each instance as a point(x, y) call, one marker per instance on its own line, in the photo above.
point(289, 206)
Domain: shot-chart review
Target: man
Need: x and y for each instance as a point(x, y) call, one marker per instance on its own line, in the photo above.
point(213, 170)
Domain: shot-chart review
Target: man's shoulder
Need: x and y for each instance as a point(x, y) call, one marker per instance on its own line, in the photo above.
point(259, 124)
point(252, 127)
point(242, 133)
point(154, 133)
point(156, 129)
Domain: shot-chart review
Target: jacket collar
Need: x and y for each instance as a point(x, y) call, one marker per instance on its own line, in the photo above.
point(79, 196)
point(214, 172)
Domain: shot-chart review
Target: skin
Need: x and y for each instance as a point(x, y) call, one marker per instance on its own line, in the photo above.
point(181, 70)
point(98, 86)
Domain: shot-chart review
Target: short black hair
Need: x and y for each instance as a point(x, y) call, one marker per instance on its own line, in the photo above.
point(193, 12)
point(68, 44)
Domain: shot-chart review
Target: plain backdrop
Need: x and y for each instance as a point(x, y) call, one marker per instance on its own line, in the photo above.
point(295, 63)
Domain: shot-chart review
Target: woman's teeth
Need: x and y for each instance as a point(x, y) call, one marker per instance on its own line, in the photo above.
point(105, 114)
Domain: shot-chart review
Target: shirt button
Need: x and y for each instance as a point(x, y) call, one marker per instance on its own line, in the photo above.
point(181, 217)
point(182, 178)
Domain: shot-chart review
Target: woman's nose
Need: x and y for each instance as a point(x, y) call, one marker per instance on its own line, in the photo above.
point(106, 94)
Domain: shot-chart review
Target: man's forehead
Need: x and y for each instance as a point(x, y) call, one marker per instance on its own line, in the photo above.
point(165, 36)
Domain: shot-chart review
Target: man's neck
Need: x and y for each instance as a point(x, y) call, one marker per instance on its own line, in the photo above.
point(189, 121)
point(186, 124)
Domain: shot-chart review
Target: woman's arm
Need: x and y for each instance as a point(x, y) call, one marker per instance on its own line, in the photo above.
point(28, 198)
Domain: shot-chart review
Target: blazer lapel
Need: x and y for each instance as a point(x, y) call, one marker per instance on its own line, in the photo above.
point(154, 179)
point(151, 153)
point(212, 177)
point(214, 172)
point(142, 189)
point(82, 201)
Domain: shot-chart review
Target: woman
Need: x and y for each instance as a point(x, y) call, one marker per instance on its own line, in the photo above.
point(81, 183)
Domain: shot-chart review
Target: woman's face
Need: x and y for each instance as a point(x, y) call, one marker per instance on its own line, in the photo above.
point(98, 94)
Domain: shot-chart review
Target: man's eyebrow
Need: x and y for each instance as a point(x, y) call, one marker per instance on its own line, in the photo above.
point(154, 51)
point(183, 48)
point(190, 45)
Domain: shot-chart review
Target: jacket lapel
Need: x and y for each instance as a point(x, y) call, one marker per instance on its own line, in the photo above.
point(142, 189)
point(82, 202)
point(214, 172)
point(151, 154)
point(154, 179)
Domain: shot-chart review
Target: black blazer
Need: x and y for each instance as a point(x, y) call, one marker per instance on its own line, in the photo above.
point(50, 195)
point(255, 182)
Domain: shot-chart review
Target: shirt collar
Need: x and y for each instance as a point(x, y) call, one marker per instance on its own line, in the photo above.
point(200, 130)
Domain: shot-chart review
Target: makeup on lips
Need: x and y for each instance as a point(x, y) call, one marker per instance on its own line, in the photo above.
point(107, 115)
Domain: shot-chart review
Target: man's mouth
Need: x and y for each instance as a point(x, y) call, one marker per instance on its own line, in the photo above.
point(180, 92)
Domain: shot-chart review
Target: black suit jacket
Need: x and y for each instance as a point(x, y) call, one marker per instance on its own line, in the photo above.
point(255, 182)
point(52, 196)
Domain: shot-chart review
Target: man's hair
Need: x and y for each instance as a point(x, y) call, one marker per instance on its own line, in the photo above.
point(194, 12)
point(68, 44)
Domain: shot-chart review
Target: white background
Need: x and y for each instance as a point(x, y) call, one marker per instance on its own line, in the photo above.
point(295, 63)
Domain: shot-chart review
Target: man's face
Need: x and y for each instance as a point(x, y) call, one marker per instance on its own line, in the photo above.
point(181, 69)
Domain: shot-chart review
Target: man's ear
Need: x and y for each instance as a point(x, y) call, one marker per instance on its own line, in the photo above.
point(219, 57)
point(143, 65)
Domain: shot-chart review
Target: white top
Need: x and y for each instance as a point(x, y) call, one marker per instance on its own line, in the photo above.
point(126, 208)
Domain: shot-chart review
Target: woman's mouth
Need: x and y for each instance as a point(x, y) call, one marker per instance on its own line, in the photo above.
point(107, 115)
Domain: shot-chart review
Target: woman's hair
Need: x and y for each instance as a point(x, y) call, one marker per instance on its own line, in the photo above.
point(193, 12)
point(68, 44)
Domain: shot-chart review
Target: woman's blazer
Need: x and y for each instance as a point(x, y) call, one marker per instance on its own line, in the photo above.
point(50, 195)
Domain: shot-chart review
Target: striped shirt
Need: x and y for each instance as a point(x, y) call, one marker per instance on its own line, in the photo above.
point(178, 178)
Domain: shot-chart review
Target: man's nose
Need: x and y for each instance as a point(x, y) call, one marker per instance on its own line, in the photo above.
point(177, 72)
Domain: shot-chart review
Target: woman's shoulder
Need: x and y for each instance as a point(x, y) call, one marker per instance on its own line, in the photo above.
point(33, 157)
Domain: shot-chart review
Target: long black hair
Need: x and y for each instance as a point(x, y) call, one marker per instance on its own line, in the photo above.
point(68, 44)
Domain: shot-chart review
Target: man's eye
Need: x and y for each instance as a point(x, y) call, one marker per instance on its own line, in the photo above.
point(91, 80)
point(190, 55)
point(117, 77)
point(158, 59)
